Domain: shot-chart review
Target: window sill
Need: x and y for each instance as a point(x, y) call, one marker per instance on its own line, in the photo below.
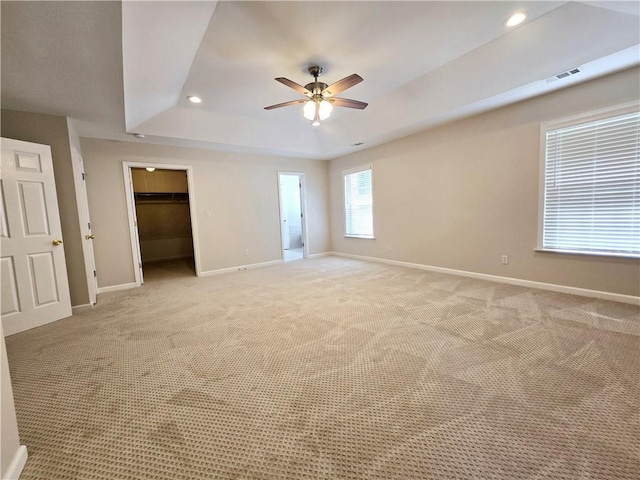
point(589, 254)
point(360, 236)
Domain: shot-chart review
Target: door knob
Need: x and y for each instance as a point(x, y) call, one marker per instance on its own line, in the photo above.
point(89, 237)
point(56, 242)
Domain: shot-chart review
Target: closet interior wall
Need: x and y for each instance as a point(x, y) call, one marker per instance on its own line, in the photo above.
point(162, 208)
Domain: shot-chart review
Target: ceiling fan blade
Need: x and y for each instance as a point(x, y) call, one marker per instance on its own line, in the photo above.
point(297, 87)
point(345, 102)
point(342, 85)
point(285, 104)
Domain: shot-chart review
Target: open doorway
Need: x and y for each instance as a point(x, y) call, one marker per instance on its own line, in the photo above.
point(161, 221)
point(292, 217)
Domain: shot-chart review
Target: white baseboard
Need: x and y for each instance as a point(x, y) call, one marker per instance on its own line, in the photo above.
point(115, 288)
point(616, 297)
point(17, 464)
point(239, 268)
point(319, 255)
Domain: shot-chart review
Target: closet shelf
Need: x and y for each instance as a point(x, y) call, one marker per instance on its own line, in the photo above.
point(161, 197)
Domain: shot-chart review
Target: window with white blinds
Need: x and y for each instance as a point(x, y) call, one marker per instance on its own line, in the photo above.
point(592, 187)
point(358, 203)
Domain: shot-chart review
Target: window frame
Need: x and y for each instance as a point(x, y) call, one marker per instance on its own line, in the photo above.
point(594, 115)
point(350, 171)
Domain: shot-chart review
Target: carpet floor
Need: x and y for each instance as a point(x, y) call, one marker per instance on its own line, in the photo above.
point(331, 368)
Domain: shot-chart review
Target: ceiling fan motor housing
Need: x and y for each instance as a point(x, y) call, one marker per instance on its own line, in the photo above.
point(316, 87)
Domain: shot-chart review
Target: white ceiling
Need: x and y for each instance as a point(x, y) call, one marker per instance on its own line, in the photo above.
point(121, 68)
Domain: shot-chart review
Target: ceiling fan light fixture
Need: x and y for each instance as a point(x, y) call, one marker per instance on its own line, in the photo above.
point(320, 97)
point(324, 109)
point(309, 110)
point(515, 19)
point(317, 110)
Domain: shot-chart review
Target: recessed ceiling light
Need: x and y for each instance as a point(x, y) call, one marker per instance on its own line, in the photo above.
point(150, 169)
point(515, 19)
point(194, 99)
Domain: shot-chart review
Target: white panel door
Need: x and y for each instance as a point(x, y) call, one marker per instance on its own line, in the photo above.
point(35, 289)
point(133, 220)
point(85, 225)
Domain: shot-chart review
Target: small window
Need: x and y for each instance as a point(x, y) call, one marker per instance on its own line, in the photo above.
point(592, 186)
point(358, 202)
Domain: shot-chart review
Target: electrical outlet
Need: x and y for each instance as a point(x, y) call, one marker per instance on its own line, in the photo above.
point(246, 252)
point(505, 259)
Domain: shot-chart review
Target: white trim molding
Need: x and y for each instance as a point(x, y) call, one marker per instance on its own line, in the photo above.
point(303, 210)
point(133, 229)
point(115, 288)
point(17, 464)
point(351, 171)
point(583, 292)
point(322, 254)
point(240, 268)
point(610, 243)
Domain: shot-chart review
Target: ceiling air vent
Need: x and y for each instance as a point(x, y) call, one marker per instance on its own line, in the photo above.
point(562, 75)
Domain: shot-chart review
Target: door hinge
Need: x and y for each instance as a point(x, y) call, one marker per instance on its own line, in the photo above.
point(139, 264)
point(300, 215)
point(89, 226)
point(95, 275)
point(300, 185)
point(84, 176)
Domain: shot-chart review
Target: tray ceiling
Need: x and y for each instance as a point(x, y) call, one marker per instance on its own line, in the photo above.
point(122, 68)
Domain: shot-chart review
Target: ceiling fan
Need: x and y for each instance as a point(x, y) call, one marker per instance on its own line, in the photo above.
point(320, 96)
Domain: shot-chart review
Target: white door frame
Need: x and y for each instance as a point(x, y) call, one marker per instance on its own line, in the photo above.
point(85, 225)
point(131, 206)
point(303, 209)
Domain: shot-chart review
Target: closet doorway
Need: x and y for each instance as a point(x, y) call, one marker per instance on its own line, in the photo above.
point(161, 218)
point(292, 215)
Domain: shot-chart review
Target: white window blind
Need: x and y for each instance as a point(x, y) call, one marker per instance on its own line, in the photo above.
point(358, 203)
point(592, 187)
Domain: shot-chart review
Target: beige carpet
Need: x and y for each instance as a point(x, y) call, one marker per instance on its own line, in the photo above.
point(332, 369)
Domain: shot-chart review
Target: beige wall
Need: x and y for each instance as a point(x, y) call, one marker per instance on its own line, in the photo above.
point(54, 131)
point(461, 195)
point(9, 440)
point(240, 191)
